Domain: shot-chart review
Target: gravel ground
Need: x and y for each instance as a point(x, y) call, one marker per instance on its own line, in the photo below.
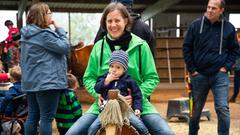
point(180, 127)
point(206, 127)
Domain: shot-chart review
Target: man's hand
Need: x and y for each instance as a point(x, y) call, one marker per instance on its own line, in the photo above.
point(223, 69)
point(194, 73)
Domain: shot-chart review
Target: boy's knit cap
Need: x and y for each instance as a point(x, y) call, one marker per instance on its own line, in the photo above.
point(120, 57)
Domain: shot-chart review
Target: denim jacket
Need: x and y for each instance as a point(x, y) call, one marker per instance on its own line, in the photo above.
point(43, 58)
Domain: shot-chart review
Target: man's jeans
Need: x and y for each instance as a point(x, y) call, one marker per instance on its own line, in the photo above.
point(201, 85)
point(41, 106)
point(155, 124)
point(236, 83)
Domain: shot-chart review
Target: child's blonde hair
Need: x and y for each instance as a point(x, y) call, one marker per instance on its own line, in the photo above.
point(15, 73)
point(72, 81)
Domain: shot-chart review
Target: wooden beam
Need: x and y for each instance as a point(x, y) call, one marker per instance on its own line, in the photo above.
point(35, 1)
point(159, 6)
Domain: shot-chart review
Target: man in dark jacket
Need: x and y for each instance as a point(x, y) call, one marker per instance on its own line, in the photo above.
point(139, 28)
point(210, 49)
point(236, 84)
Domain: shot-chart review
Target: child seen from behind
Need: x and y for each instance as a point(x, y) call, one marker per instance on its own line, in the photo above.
point(69, 108)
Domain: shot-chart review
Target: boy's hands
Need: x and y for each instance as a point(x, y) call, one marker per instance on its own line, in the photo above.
point(110, 77)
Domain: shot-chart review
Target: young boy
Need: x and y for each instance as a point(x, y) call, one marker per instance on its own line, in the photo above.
point(6, 103)
point(117, 78)
point(69, 108)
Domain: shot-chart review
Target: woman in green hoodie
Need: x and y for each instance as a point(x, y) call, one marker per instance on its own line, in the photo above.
point(117, 22)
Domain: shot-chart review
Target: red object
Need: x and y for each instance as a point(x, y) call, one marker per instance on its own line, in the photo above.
point(9, 38)
point(4, 77)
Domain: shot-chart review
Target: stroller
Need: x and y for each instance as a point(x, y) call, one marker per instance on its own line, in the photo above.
point(13, 125)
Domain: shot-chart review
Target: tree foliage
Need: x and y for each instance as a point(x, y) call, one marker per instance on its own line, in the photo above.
point(83, 26)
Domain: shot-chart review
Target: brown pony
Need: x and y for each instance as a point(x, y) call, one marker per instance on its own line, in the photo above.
point(78, 60)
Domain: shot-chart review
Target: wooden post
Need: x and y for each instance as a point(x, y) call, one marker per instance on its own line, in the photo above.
point(168, 62)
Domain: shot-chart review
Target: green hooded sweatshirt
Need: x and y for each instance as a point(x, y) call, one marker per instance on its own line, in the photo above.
point(147, 80)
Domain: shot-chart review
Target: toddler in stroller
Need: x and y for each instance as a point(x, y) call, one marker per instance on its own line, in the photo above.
point(13, 105)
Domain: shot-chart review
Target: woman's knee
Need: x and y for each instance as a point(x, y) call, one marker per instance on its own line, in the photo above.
point(95, 126)
point(80, 127)
point(157, 125)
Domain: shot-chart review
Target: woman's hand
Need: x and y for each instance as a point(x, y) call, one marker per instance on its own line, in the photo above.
point(137, 112)
point(55, 24)
point(100, 100)
point(129, 98)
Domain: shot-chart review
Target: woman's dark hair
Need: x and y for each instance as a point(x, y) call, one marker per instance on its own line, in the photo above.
point(122, 9)
point(37, 15)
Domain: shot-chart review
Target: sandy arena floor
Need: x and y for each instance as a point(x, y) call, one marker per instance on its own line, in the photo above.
point(206, 127)
point(160, 98)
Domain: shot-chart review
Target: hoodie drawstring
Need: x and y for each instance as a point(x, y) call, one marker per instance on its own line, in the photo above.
point(221, 40)
point(220, 49)
point(201, 28)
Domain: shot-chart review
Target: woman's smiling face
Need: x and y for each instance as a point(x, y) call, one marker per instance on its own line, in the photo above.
point(115, 24)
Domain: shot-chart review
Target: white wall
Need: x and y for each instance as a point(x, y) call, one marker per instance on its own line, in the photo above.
point(6, 15)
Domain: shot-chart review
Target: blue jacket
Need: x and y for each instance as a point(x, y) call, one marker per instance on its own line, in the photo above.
point(208, 47)
point(43, 58)
point(7, 105)
point(123, 84)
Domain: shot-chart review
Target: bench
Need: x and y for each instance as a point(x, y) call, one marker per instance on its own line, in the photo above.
point(179, 107)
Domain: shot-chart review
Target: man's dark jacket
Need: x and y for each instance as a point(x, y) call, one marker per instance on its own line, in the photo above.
point(202, 48)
